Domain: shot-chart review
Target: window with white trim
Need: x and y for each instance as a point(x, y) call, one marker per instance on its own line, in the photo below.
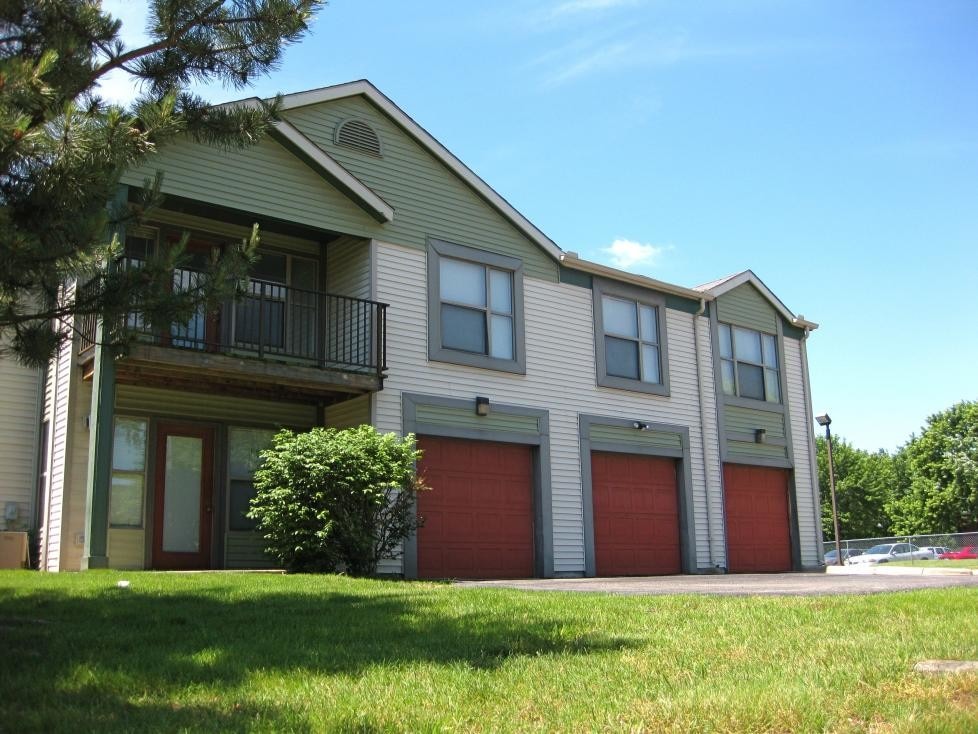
point(630, 339)
point(749, 364)
point(128, 480)
point(475, 307)
point(244, 448)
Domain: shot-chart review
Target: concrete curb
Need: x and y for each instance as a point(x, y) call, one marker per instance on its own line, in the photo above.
point(887, 570)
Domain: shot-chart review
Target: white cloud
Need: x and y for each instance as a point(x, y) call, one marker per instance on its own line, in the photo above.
point(626, 254)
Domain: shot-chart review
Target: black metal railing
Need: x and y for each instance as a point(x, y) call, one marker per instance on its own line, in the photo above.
point(273, 320)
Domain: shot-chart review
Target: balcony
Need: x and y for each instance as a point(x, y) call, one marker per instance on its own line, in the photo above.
point(276, 342)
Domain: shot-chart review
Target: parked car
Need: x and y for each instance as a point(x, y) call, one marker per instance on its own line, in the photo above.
point(847, 553)
point(935, 550)
point(969, 551)
point(886, 552)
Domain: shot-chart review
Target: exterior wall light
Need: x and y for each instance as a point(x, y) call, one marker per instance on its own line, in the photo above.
point(638, 425)
point(826, 421)
point(482, 407)
point(760, 435)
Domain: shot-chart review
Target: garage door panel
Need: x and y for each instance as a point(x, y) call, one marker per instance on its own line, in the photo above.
point(636, 514)
point(482, 496)
point(757, 515)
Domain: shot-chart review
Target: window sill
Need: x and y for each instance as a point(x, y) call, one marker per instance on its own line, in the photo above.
point(752, 403)
point(480, 361)
point(623, 383)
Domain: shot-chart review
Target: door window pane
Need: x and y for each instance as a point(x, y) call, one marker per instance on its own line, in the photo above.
point(650, 363)
point(181, 499)
point(619, 317)
point(126, 500)
point(621, 357)
point(129, 445)
point(501, 288)
point(270, 266)
point(463, 328)
point(304, 274)
point(462, 282)
point(502, 337)
point(748, 345)
point(751, 380)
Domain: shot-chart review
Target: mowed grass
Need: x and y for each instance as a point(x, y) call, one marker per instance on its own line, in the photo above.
point(244, 652)
point(969, 563)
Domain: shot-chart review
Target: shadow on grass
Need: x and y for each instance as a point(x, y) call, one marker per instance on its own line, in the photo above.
point(126, 660)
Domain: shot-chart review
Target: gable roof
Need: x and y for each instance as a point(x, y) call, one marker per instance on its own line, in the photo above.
point(718, 287)
point(429, 143)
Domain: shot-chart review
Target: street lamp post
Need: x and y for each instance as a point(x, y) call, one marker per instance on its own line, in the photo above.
point(824, 420)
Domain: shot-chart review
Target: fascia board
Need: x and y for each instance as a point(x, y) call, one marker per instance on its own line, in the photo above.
point(586, 266)
point(748, 276)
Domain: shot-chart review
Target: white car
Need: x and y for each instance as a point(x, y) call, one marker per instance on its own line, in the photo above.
point(890, 552)
point(935, 551)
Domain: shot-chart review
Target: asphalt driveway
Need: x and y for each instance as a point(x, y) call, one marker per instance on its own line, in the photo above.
point(779, 584)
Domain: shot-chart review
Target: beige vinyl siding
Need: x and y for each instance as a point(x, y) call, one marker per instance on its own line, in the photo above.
point(20, 390)
point(135, 399)
point(348, 268)
point(560, 378)
point(709, 500)
point(245, 550)
point(73, 535)
point(429, 200)
point(349, 413)
point(54, 520)
point(744, 451)
point(745, 306)
point(265, 179)
point(806, 493)
point(127, 548)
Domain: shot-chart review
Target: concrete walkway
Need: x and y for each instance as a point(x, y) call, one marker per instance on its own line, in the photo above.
point(779, 584)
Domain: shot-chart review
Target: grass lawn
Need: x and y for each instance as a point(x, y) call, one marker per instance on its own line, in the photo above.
point(970, 563)
point(243, 652)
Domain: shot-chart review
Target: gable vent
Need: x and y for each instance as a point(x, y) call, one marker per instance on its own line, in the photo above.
point(358, 135)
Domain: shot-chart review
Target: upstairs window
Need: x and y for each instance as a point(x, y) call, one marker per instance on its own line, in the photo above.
point(630, 343)
point(475, 308)
point(749, 364)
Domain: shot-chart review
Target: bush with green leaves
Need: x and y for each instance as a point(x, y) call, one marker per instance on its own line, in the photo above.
point(330, 500)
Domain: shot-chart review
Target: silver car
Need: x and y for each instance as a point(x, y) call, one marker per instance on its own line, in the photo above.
point(887, 552)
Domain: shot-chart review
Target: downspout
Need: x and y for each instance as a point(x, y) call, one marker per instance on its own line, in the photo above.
point(699, 389)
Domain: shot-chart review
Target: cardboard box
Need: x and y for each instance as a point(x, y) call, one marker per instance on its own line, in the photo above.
point(13, 550)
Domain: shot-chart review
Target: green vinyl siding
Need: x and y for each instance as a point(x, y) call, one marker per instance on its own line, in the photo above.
point(349, 414)
point(206, 406)
point(429, 199)
point(745, 420)
point(265, 179)
point(750, 450)
point(127, 548)
point(245, 549)
point(439, 415)
point(745, 306)
point(628, 436)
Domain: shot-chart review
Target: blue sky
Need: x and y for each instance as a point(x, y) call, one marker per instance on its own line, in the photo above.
point(830, 146)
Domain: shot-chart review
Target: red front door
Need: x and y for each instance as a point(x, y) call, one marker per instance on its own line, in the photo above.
point(758, 539)
point(478, 515)
point(636, 515)
point(183, 510)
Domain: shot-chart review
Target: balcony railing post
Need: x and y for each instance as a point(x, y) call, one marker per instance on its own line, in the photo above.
point(321, 311)
point(261, 320)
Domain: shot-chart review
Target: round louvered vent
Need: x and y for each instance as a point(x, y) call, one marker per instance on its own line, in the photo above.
point(358, 135)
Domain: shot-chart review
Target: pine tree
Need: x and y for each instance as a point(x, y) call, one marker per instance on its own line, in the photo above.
point(63, 150)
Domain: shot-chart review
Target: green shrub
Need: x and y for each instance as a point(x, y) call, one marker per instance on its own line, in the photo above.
point(329, 500)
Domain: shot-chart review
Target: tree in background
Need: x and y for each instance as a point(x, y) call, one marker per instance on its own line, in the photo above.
point(63, 149)
point(939, 469)
point(863, 485)
point(329, 500)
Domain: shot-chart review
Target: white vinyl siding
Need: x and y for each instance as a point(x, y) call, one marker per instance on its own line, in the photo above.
point(801, 442)
point(20, 389)
point(559, 342)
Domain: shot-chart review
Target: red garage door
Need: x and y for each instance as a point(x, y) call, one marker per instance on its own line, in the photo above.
point(757, 519)
point(636, 515)
point(478, 516)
